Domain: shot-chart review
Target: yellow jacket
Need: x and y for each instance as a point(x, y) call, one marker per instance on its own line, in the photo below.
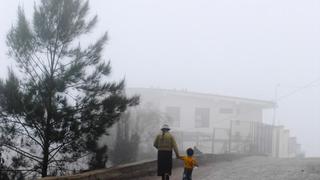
point(189, 162)
point(166, 142)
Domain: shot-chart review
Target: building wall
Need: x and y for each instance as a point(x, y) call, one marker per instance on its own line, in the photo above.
point(219, 116)
point(281, 143)
point(292, 147)
point(284, 143)
point(227, 117)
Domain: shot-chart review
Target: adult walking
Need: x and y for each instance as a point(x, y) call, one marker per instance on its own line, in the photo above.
point(165, 143)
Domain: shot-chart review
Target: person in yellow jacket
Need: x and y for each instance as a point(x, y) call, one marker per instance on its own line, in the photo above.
point(189, 163)
point(165, 143)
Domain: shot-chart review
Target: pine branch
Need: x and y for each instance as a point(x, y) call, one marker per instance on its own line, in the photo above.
point(26, 130)
point(25, 67)
point(56, 150)
point(38, 60)
point(59, 56)
point(23, 153)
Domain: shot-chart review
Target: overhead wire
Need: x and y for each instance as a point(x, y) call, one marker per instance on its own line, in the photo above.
point(310, 84)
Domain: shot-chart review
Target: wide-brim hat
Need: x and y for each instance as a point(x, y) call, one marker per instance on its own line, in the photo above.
point(165, 127)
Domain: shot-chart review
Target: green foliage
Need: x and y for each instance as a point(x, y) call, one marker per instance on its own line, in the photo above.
point(7, 172)
point(63, 103)
point(126, 146)
point(135, 134)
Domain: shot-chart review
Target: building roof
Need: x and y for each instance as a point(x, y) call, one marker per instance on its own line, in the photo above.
point(262, 103)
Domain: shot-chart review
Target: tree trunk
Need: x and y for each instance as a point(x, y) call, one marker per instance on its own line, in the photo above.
point(45, 160)
point(47, 133)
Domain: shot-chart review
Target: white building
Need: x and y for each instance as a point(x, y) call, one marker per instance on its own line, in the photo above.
point(218, 124)
point(207, 120)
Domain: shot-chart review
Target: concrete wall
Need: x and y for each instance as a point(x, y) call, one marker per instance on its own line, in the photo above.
point(293, 151)
point(284, 146)
point(140, 169)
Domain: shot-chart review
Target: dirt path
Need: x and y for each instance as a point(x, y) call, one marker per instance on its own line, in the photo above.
point(255, 168)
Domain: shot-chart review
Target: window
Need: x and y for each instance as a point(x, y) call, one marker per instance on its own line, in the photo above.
point(237, 136)
point(226, 110)
point(173, 114)
point(202, 117)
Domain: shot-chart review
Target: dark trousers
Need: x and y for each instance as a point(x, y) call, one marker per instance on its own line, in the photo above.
point(187, 174)
point(165, 177)
point(164, 164)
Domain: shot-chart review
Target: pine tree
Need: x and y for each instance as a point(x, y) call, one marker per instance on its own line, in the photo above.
point(61, 99)
point(126, 145)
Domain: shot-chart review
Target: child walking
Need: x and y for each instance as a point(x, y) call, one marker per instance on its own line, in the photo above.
point(189, 163)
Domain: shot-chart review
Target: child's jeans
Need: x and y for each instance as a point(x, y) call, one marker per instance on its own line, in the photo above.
point(187, 174)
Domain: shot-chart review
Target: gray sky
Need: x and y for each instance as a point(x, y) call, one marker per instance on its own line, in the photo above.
point(230, 47)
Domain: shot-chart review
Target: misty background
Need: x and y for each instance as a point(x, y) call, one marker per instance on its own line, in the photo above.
point(237, 48)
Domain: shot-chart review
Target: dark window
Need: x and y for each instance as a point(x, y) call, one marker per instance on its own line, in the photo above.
point(173, 114)
point(202, 116)
point(226, 110)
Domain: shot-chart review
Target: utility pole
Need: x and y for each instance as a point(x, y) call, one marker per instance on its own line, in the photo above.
point(275, 105)
point(275, 145)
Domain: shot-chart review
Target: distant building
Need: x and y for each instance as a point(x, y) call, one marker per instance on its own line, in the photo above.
point(217, 123)
point(207, 118)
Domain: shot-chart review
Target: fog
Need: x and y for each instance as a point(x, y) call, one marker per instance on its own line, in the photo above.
point(246, 48)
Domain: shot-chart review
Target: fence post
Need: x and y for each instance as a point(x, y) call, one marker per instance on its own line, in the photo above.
point(213, 137)
point(197, 139)
point(230, 136)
